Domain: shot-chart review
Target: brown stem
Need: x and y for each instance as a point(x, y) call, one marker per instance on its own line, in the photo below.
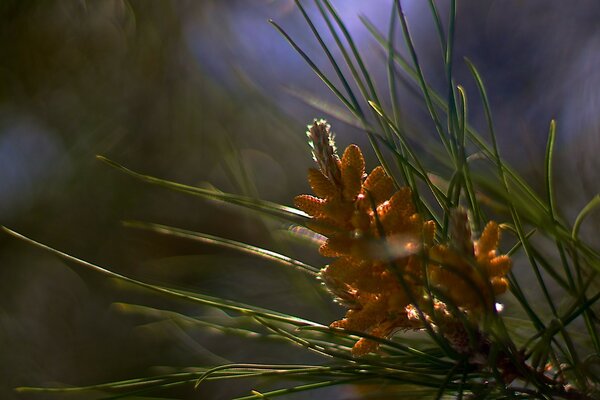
point(510, 369)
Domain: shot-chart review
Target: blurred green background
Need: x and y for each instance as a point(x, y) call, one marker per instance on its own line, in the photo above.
point(199, 91)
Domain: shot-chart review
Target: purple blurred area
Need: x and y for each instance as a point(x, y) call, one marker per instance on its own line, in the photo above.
point(200, 91)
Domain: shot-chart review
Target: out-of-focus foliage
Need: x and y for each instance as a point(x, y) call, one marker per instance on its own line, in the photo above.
point(81, 78)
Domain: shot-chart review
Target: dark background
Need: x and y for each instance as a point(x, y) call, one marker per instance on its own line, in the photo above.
point(199, 91)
